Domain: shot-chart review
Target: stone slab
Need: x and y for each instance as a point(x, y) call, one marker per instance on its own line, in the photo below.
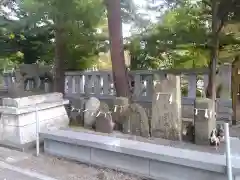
point(148, 160)
point(28, 109)
point(24, 137)
point(188, 111)
point(32, 100)
point(79, 153)
point(29, 118)
point(121, 161)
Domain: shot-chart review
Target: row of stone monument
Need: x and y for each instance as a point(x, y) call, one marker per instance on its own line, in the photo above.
point(126, 116)
point(165, 121)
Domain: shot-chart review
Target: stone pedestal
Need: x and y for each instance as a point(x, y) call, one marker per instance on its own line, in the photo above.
point(18, 120)
point(203, 124)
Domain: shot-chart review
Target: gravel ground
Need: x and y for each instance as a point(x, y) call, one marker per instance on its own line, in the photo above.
point(60, 169)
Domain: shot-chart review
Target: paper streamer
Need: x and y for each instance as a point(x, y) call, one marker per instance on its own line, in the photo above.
point(92, 113)
point(207, 114)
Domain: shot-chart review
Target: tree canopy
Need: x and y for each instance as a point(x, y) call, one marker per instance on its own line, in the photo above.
point(182, 37)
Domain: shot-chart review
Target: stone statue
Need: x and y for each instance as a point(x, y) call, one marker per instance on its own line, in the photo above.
point(30, 72)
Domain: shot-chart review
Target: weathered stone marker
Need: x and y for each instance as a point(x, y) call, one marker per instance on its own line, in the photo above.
point(91, 108)
point(203, 124)
point(166, 109)
point(136, 122)
point(164, 119)
point(104, 121)
point(121, 105)
point(76, 113)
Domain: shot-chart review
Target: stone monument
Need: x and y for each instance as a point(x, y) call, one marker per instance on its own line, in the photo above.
point(136, 121)
point(91, 108)
point(166, 109)
point(75, 110)
point(202, 122)
point(121, 105)
point(104, 121)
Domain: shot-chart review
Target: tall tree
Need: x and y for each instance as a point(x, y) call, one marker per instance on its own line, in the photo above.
point(221, 13)
point(119, 69)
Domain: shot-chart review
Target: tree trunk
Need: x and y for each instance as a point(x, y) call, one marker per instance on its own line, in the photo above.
point(211, 89)
point(60, 55)
point(119, 70)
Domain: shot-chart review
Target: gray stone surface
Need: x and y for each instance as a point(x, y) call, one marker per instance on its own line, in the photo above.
point(162, 170)
point(136, 122)
point(164, 121)
point(104, 122)
point(166, 109)
point(75, 110)
point(91, 107)
point(148, 160)
point(127, 163)
point(120, 107)
point(188, 111)
point(33, 100)
point(203, 124)
point(18, 118)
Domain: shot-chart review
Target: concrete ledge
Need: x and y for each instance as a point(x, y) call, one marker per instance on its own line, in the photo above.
point(145, 159)
point(29, 109)
point(33, 99)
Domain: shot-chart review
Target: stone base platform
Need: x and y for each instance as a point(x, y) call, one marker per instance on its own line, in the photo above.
point(18, 119)
point(144, 159)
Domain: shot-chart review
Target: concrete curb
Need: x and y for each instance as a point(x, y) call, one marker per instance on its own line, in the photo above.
point(144, 159)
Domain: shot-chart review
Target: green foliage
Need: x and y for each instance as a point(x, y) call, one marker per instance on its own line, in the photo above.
point(33, 33)
point(176, 41)
point(181, 38)
point(30, 37)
